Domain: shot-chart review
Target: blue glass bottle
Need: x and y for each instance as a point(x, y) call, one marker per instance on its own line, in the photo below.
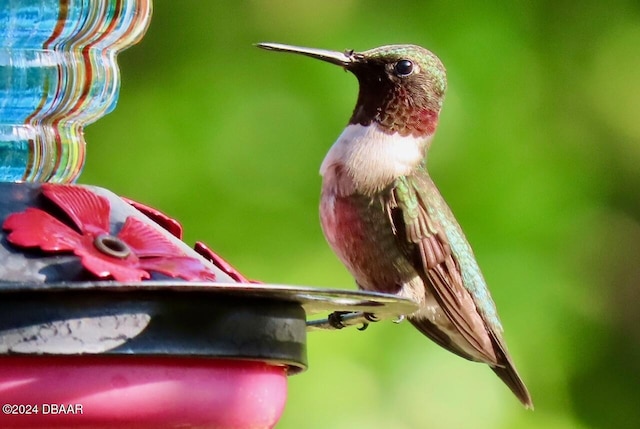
point(57, 74)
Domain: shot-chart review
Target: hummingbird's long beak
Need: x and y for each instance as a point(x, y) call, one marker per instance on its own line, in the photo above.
point(344, 59)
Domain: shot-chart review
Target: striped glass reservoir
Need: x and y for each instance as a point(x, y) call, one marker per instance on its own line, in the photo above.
point(58, 72)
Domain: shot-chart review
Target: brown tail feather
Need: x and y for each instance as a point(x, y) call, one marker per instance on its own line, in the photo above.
point(510, 376)
point(505, 368)
point(507, 372)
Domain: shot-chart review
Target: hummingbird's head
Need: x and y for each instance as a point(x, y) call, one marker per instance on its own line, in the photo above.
point(401, 86)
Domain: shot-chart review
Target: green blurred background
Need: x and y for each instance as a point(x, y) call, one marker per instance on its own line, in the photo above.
point(538, 153)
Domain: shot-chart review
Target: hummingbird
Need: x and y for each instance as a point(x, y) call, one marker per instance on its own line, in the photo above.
point(384, 217)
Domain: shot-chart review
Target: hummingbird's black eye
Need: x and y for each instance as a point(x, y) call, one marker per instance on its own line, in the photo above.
point(403, 68)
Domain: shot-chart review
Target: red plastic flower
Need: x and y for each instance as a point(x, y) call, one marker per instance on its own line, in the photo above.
point(128, 255)
point(219, 262)
point(174, 227)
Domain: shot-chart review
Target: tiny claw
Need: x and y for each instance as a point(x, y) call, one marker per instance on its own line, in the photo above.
point(399, 319)
point(371, 317)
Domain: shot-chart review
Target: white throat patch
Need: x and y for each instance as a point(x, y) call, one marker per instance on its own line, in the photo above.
point(372, 158)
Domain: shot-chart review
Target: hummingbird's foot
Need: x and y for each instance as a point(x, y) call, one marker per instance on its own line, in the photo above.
point(342, 319)
point(336, 319)
point(399, 319)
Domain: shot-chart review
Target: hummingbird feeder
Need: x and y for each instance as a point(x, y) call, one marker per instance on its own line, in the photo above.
point(107, 318)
